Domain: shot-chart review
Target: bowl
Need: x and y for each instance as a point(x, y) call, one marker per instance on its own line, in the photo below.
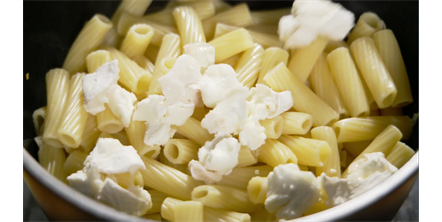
point(50, 27)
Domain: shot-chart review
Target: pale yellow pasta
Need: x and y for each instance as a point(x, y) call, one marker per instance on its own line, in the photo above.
point(400, 154)
point(246, 157)
point(163, 17)
point(152, 53)
point(332, 45)
point(267, 29)
point(132, 76)
point(273, 127)
point(232, 61)
point(170, 47)
point(367, 128)
point(263, 215)
point(390, 52)
point(167, 179)
point(249, 65)
point(204, 9)
point(231, 44)
point(257, 190)
point(356, 148)
point(322, 83)
point(193, 130)
point(303, 59)
point(368, 23)
point(331, 166)
point(304, 100)
point(154, 217)
point(126, 180)
point(274, 153)
point(57, 91)
point(223, 197)
point(168, 208)
point(127, 20)
point(189, 211)
point(74, 118)
point(137, 40)
point(88, 40)
point(144, 63)
point(349, 83)
point(265, 40)
point(134, 7)
point(373, 70)
point(108, 122)
point(310, 152)
point(53, 160)
point(296, 123)
point(181, 167)
point(189, 25)
point(96, 59)
point(239, 16)
point(163, 67)
point(74, 162)
point(371, 102)
point(240, 176)
point(272, 57)
point(181, 151)
point(38, 118)
point(90, 134)
point(135, 132)
point(157, 198)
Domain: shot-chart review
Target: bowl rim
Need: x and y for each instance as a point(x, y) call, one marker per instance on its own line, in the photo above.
point(105, 212)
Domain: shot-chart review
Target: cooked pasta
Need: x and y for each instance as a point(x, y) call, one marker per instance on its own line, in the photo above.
point(199, 113)
point(331, 166)
point(263, 39)
point(240, 176)
point(74, 162)
point(273, 127)
point(332, 45)
point(134, 7)
point(221, 5)
point(162, 17)
point(189, 211)
point(193, 130)
point(400, 154)
point(272, 57)
point(144, 63)
point(38, 118)
point(137, 40)
point(181, 167)
point(249, 65)
point(231, 44)
point(257, 190)
point(296, 123)
point(135, 132)
point(204, 9)
point(274, 153)
point(53, 160)
point(90, 134)
point(108, 122)
point(157, 198)
point(232, 61)
point(246, 157)
point(96, 59)
point(310, 152)
point(189, 25)
point(181, 151)
point(368, 23)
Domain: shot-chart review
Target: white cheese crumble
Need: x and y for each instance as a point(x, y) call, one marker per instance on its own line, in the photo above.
point(266, 103)
point(291, 192)
point(252, 134)
point(364, 174)
point(310, 19)
point(203, 52)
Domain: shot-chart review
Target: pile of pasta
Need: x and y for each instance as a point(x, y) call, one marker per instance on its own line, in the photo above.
point(347, 95)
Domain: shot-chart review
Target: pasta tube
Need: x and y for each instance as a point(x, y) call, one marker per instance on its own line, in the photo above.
point(304, 100)
point(57, 91)
point(189, 25)
point(163, 17)
point(332, 45)
point(257, 190)
point(88, 40)
point(249, 65)
point(390, 52)
point(331, 167)
point(52, 160)
point(296, 123)
point(400, 154)
point(232, 61)
point(108, 122)
point(134, 7)
point(157, 200)
point(193, 130)
point(274, 153)
point(38, 118)
point(90, 134)
point(189, 211)
point(273, 127)
point(74, 162)
point(246, 157)
point(181, 167)
point(96, 59)
point(349, 83)
point(135, 132)
point(310, 152)
point(263, 39)
point(231, 44)
point(137, 40)
point(269, 17)
point(74, 119)
point(240, 176)
point(368, 23)
point(181, 151)
point(204, 9)
point(272, 57)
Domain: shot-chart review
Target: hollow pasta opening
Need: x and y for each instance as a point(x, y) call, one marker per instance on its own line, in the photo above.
point(307, 124)
point(142, 29)
point(200, 194)
point(172, 151)
point(110, 128)
point(143, 84)
point(388, 100)
point(103, 19)
point(66, 139)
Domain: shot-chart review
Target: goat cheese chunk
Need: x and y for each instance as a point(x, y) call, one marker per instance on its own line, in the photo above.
point(203, 52)
point(98, 86)
point(310, 19)
point(252, 134)
point(151, 109)
point(266, 103)
point(121, 103)
point(364, 174)
point(158, 133)
point(291, 192)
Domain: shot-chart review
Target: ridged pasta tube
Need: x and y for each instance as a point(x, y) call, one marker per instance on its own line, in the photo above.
point(249, 65)
point(240, 176)
point(74, 162)
point(157, 198)
point(310, 152)
point(52, 160)
point(108, 122)
point(192, 130)
point(90, 134)
point(246, 157)
point(137, 40)
point(96, 59)
point(231, 44)
point(296, 123)
point(144, 63)
point(135, 132)
point(400, 154)
point(274, 153)
point(263, 39)
point(368, 23)
point(38, 118)
point(257, 190)
point(331, 166)
point(272, 57)
point(181, 151)
point(189, 211)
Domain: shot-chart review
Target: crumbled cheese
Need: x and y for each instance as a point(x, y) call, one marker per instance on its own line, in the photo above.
point(253, 134)
point(291, 192)
point(158, 133)
point(364, 174)
point(198, 172)
point(151, 109)
point(121, 103)
point(310, 19)
point(266, 103)
point(203, 52)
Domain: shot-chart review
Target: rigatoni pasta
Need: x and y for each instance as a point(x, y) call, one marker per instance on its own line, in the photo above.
point(74, 162)
point(108, 122)
point(240, 176)
point(274, 153)
point(310, 152)
point(193, 130)
point(249, 65)
point(96, 59)
point(90, 134)
point(189, 25)
point(257, 190)
point(368, 23)
point(53, 160)
point(265, 40)
point(246, 157)
point(189, 211)
point(331, 166)
point(272, 57)
point(135, 133)
point(231, 44)
point(296, 123)
point(157, 198)
point(137, 40)
point(400, 154)
point(181, 151)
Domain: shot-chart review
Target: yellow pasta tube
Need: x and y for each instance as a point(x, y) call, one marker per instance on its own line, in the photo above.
point(189, 25)
point(193, 130)
point(157, 198)
point(310, 152)
point(391, 111)
point(246, 157)
point(204, 9)
point(349, 83)
point(74, 119)
point(163, 17)
point(367, 128)
point(231, 44)
point(88, 40)
point(126, 180)
point(134, 7)
point(169, 48)
point(152, 53)
point(373, 70)
point(238, 16)
point(274, 153)
point(304, 100)
point(324, 86)
point(272, 57)
point(137, 40)
point(356, 148)
point(257, 190)
point(232, 61)
point(135, 132)
point(222, 197)
point(240, 176)
point(273, 127)
point(303, 59)
point(57, 91)
point(96, 59)
point(52, 160)
point(167, 179)
point(296, 123)
point(263, 39)
point(90, 134)
point(132, 76)
point(249, 65)
point(400, 154)
point(144, 63)
point(390, 52)
point(189, 211)
point(38, 118)
point(331, 166)
point(108, 122)
point(181, 167)
point(368, 23)
point(181, 151)
point(74, 162)
point(332, 45)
